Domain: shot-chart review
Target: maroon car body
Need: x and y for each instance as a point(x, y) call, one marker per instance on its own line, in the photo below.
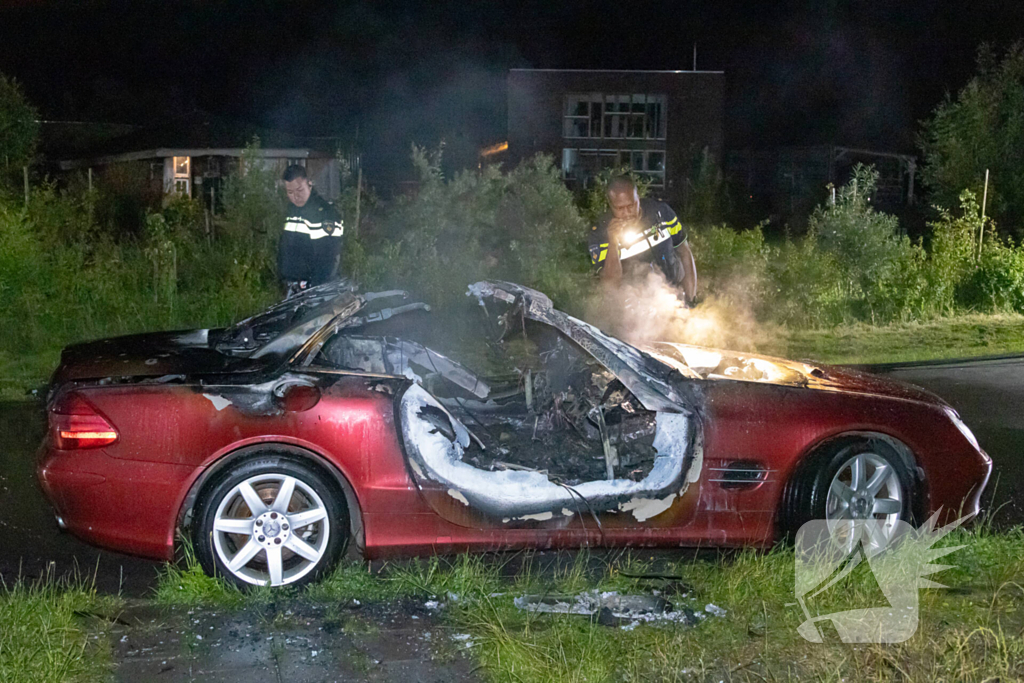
point(184, 409)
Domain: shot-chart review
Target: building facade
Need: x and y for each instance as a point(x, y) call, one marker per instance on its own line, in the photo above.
point(657, 123)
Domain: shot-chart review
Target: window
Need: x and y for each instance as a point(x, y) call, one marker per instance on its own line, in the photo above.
point(597, 115)
point(182, 175)
point(583, 164)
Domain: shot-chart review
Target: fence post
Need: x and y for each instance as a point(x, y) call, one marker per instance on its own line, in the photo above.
point(24, 170)
point(984, 202)
point(359, 196)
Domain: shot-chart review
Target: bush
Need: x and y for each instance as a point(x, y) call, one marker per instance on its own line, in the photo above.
point(19, 129)
point(881, 274)
point(997, 284)
point(953, 253)
point(520, 225)
point(983, 128)
point(64, 278)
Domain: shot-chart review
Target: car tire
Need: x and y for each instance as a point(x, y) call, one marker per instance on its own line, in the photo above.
point(247, 532)
point(861, 478)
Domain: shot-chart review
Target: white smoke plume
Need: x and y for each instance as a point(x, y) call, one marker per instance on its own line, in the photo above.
point(649, 309)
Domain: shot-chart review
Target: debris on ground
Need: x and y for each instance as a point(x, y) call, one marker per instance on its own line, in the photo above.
point(609, 608)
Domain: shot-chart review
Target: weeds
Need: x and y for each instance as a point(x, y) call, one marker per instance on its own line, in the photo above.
point(43, 631)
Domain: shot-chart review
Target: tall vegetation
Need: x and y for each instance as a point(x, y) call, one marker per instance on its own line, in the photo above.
point(521, 225)
point(982, 128)
point(67, 273)
point(19, 129)
point(854, 265)
point(66, 277)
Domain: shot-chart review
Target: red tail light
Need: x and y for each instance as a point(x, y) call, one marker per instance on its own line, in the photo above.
point(77, 424)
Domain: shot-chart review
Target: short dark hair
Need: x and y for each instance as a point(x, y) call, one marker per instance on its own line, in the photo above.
point(294, 171)
point(621, 183)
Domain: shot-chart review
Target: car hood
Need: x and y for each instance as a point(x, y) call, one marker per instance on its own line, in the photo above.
point(721, 365)
point(652, 382)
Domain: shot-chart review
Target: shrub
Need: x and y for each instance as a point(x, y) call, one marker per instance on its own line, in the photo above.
point(953, 253)
point(997, 283)
point(19, 128)
point(520, 225)
point(983, 128)
point(881, 274)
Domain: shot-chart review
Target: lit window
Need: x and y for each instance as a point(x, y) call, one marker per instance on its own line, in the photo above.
point(181, 167)
point(182, 175)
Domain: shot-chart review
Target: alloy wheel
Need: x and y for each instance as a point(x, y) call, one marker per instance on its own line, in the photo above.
point(271, 529)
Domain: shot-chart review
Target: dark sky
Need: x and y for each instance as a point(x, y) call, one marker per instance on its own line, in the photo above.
point(854, 73)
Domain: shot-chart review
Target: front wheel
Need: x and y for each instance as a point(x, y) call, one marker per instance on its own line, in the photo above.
point(864, 482)
point(271, 520)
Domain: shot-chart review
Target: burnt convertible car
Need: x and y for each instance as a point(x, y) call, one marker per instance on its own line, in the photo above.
point(274, 443)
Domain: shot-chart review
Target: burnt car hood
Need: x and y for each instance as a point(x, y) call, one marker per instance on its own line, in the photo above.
point(721, 365)
point(652, 381)
point(649, 370)
point(261, 341)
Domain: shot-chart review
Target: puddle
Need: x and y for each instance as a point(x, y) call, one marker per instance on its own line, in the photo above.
point(295, 643)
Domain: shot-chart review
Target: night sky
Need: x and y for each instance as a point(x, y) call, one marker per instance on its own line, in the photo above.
point(390, 72)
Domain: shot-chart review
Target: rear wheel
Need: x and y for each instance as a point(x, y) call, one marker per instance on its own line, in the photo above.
point(271, 520)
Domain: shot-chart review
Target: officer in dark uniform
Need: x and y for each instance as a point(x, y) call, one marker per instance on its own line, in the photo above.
point(310, 248)
point(637, 235)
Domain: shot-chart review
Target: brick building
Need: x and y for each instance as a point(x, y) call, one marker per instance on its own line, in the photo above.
point(656, 122)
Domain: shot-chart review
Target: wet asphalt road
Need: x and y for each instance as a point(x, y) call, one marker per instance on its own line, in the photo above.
point(29, 538)
point(988, 393)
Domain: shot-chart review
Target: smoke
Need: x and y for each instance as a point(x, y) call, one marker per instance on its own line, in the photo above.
point(649, 309)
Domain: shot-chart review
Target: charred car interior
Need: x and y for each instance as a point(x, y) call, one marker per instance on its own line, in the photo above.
point(556, 434)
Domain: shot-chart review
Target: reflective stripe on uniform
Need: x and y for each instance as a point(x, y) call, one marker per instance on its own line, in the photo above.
point(653, 237)
point(314, 230)
point(672, 226)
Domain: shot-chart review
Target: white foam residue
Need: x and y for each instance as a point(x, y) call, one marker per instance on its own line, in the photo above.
point(522, 494)
point(539, 517)
point(457, 495)
point(219, 402)
point(645, 508)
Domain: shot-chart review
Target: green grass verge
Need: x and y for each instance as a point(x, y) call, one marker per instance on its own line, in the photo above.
point(969, 632)
point(960, 337)
point(45, 634)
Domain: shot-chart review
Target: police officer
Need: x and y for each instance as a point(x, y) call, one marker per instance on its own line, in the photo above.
point(310, 247)
point(636, 235)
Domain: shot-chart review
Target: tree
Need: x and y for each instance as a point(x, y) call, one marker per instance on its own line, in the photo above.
point(983, 128)
point(19, 127)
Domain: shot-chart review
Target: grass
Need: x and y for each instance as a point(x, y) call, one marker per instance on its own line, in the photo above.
point(969, 632)
point(959, 337)
point(46, 635)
